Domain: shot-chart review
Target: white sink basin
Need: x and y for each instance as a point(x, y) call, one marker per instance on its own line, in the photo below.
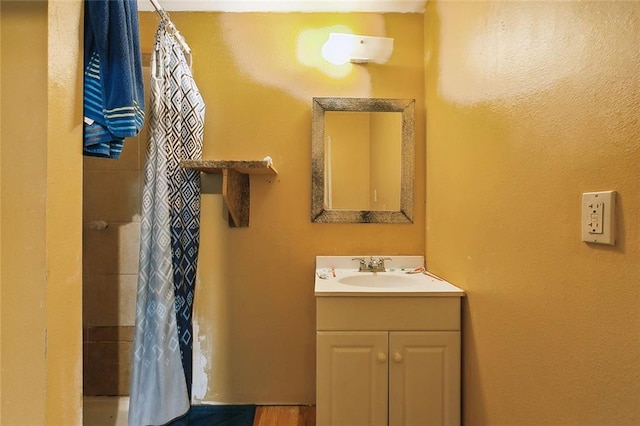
point(381, 279)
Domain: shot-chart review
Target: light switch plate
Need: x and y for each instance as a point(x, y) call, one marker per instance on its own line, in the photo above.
point(598, 217)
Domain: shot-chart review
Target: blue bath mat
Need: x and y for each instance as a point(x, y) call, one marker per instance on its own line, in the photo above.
point(218, 415)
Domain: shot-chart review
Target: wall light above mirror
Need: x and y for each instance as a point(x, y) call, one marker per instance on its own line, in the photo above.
point(362, 160)
point(341, 48)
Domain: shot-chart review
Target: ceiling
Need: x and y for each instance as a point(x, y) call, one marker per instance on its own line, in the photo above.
point(380, 6)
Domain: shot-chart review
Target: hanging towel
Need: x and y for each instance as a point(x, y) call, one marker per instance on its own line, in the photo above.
point(161, 370)
point(113, 87)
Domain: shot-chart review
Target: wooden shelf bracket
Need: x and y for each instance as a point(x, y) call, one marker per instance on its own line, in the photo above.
point(235, 183)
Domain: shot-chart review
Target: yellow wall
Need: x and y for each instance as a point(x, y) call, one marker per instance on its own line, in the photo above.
point(23, 218)
point(41, 205)
point(255, 314)
point(64, 213)
point(0, 219)
point(529, 105)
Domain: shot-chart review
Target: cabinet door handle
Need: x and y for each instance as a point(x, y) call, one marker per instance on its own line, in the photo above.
point(397, 357)
point(382, 357)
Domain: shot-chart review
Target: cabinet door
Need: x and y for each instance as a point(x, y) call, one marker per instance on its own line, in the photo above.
point(424, 378)
point(351, 378)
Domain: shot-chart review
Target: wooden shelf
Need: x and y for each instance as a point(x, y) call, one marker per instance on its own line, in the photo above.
point(235, 183)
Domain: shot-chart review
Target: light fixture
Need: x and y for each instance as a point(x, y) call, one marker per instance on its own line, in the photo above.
point(341, 48)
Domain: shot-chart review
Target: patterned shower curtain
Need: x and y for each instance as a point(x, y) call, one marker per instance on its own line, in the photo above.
point(161, 371)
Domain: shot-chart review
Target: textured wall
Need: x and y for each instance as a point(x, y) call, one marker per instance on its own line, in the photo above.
point(23, 218)
point(529, 104)
point(41, 180)
point(64, 213)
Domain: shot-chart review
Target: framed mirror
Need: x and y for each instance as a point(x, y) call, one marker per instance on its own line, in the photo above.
point(362, 159)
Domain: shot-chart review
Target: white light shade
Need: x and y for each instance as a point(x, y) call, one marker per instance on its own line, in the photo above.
point(342, 48)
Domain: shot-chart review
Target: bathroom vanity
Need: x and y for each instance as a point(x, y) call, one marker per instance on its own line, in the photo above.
point(388, 344)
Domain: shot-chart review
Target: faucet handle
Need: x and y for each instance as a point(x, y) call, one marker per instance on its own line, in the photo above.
point(381, 261)
point(363, 263)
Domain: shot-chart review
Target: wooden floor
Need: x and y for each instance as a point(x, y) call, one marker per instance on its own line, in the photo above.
point(285, 415)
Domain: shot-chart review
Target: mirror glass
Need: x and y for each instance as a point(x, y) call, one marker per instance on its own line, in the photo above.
point(362, 160)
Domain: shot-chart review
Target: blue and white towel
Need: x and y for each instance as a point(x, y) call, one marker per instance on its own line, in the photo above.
point(113, 85)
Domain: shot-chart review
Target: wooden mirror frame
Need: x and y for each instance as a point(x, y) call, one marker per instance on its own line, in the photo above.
point(318, 212)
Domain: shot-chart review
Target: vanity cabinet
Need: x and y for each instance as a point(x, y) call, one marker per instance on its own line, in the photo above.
point(388, 361)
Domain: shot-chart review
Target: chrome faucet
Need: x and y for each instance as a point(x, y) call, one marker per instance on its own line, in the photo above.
point(374, 265)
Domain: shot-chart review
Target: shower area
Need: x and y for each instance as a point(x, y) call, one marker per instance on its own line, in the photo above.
point(111, 244)
point(112, 215)
point(139, 236)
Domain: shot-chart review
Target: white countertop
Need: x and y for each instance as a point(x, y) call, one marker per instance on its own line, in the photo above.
point(331, 270)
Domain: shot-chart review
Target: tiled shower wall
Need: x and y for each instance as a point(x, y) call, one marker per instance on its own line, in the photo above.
point(112, 195)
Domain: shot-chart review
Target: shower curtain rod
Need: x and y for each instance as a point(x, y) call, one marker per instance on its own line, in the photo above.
point(163, 14)
point(165, 17)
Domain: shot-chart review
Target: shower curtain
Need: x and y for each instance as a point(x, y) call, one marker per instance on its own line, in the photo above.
point(161, 370)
